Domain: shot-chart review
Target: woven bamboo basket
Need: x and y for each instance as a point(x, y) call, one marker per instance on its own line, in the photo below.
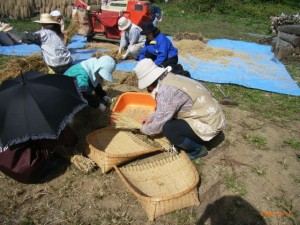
point(162, 186)
point(108, 147)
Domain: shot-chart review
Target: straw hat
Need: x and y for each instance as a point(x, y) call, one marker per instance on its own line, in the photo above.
point(46, 18)
point(147, 72)
point(123, 23)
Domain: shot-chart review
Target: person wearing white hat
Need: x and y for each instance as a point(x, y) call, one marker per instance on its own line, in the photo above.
point(186, 113)
point(51, 40)
point(56, 16)
point(90, 75)
point(130, 38)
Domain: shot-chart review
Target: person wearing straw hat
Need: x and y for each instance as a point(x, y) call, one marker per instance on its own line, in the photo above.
point(158, 47)
point(186, 113)
point(130, 38)
point(56, 16)
point(90, 75)
point(51, 40)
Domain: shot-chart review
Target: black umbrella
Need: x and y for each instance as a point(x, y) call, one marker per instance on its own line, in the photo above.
point(37, 106)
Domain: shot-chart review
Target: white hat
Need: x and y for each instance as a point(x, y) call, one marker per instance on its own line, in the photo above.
point(46, 18)
point(123, 23)
point(147, 72)
point(55, 13)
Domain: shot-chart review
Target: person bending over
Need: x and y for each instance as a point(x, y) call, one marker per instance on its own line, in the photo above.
point(186, 113)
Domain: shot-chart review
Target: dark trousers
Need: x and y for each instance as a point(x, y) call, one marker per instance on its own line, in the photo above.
point(168, 62)
point(177, 130)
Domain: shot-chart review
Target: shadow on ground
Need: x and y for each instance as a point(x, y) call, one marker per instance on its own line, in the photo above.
point(231, 210)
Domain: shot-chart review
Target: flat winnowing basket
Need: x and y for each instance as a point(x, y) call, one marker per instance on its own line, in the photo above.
point(162, 186)
point(108, 147)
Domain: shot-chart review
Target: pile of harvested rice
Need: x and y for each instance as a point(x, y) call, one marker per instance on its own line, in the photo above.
point(189, 36)
point(204, 52)
point(123, 121)
point(72, 28)
point(130, 80)
point(23, 64)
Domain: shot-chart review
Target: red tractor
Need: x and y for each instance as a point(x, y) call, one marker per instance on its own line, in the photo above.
point(104, 19)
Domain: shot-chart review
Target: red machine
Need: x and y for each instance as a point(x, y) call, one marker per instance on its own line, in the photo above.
point(104, 19)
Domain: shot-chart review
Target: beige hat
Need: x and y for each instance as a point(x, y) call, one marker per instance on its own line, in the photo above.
point(123, 23)
point(147, 72)
point(47, 19)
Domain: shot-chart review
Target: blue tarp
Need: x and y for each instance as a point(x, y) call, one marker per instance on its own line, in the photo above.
point(258, 70)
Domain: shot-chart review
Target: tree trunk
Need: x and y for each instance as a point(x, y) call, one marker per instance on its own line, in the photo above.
point(290, 29)
point(284, 50)
point(290, 38)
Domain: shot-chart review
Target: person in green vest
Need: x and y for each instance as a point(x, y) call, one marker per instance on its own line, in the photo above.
point(90, 75)
point(186, 113)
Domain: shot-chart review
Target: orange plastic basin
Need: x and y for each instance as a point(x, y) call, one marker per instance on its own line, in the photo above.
point(141, 103)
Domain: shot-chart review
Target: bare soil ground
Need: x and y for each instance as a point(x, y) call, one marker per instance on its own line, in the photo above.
point(248, 171)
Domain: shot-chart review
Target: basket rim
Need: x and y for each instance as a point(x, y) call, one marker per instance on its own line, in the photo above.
point(161, 198)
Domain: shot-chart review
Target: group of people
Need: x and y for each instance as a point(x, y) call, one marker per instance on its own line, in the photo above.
point(186, 113)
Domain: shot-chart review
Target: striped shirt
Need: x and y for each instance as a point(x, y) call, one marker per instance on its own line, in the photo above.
point(169, 101)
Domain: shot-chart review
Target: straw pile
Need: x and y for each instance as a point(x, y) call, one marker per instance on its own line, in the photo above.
point(13, 68)
point(72, 29)
point(130, 80)
point(202, 51)
point(82, 163)
point(189, 36)
point(125, 122)
point(18, 9)
point(21, 9)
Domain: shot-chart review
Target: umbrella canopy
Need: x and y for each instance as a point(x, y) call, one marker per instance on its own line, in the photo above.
point(37, 106)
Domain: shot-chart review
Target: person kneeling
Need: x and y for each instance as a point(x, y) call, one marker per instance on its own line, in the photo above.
point(186, 113)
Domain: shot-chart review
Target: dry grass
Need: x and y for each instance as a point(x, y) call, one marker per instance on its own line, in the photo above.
point(189, 36)
point(22, 65)
point(72, 29)
point(122, 121)
point(204, 52)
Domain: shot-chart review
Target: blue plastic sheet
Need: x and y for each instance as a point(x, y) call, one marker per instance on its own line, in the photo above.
point(259, 69)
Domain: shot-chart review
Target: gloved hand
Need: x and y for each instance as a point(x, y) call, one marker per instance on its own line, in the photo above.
point(107, 99)
point(102, 107)
point(124, 56)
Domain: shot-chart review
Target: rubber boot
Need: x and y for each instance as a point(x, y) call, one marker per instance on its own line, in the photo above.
point(193, 149)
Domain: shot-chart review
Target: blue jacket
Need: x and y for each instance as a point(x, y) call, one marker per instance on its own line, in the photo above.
point(162, 47)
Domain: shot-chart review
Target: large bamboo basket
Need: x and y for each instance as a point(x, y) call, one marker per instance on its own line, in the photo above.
point(162, 186)
point(108, 147)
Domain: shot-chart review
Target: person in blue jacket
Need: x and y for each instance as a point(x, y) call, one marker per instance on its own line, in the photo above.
point(90, 75)
point(158, 47)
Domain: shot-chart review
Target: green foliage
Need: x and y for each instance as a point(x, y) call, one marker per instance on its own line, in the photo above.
point(293, 143)
point(235, 185)
point(198, 6)
point(258, 141)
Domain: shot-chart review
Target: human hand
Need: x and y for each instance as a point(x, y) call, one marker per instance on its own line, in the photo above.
point(124, 56)
point(107, 99)
point(146, 121)
point(102, 107)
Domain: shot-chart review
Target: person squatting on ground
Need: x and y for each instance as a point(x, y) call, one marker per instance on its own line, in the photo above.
point(158, 47)
point(186, 113)
point(51, 40)
point(130, 38)
point(56, 16)
point(90, 75)
point(29, 161)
